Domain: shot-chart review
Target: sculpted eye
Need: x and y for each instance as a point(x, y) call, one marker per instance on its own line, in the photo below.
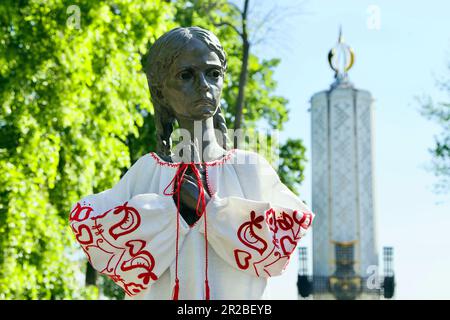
point(215, 73)
point(185, 75)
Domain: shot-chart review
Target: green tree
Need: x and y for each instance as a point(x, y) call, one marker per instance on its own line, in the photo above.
point(72, 92)
point(439, 112)
point(292, 166)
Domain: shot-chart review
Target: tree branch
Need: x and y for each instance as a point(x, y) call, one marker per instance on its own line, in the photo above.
point(226, 23)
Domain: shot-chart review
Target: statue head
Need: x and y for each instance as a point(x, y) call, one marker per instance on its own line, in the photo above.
point(185, 73)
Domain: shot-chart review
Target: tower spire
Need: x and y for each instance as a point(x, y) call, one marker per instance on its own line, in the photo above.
point(341, 58)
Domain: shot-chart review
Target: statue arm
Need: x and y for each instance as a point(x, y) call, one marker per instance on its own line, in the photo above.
point(258, 234)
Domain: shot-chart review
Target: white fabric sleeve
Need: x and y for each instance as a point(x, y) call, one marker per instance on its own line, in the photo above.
point(258, 236)
point(133, 240)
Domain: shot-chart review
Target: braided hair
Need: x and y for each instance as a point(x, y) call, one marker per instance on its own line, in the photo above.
point(161, 56)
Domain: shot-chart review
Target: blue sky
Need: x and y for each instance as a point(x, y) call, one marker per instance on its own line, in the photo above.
point(396, 62)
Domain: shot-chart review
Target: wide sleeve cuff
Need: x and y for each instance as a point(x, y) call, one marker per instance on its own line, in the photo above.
point(132, 242)
point(254, 236)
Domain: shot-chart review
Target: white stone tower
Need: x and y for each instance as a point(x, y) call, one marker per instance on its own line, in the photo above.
point(344, 235)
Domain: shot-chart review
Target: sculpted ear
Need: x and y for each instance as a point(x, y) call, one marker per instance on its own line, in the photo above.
point(160, 96)
point(162, 101)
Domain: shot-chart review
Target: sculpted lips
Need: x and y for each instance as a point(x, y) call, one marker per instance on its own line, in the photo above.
point(203, 102)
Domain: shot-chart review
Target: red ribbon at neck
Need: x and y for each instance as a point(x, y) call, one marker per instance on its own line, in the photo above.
point(176, 183)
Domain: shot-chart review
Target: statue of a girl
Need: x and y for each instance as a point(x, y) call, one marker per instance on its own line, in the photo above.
point(206, 222)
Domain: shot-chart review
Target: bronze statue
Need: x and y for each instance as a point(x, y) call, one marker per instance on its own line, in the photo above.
point(207, 203)
point(185, 77)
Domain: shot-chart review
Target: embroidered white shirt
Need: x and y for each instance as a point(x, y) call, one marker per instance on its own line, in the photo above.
point(253, 224)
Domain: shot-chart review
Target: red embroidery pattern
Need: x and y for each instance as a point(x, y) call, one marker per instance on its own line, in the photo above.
point(207, 163)
point(208, 183)
point(221, 161)
point(161, 162)
point(242, 258)
point(247, 233)
point(131, 220)
point(284, 229)
point(128, 264)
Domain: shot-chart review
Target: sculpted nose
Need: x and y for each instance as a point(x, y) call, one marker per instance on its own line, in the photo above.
point(202, 83)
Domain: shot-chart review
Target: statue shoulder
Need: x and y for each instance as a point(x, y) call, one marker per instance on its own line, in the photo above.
point(161, 159)
point(164, 157)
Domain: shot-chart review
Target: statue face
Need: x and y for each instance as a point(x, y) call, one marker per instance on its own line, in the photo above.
point(194, 82)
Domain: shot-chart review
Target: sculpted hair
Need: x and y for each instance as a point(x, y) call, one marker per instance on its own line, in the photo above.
point(161, 56)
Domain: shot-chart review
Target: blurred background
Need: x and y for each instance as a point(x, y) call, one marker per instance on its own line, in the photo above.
point(76, 114)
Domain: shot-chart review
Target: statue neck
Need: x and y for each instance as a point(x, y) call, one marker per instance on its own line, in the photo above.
point(203, 132)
